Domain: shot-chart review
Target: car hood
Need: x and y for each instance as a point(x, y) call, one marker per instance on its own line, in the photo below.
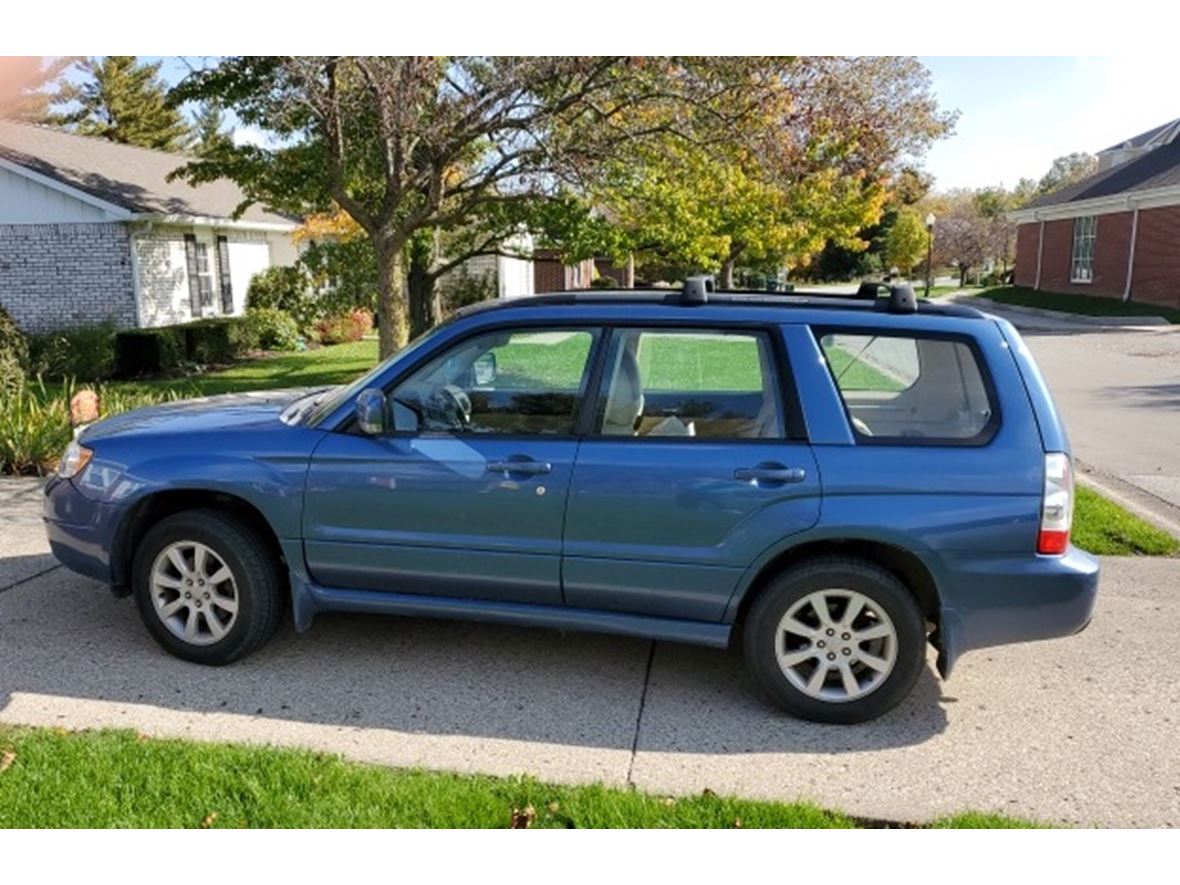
point(226, 412)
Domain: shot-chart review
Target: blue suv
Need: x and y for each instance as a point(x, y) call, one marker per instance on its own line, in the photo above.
point(837, 480)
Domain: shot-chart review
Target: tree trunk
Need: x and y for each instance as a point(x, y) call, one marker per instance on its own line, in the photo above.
point(963, 276)
point(727, 273)
point(391, 301)
point(425, 301)
point(629, 272)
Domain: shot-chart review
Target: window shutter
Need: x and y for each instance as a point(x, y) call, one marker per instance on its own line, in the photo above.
point(194, 287)
point(223, 276)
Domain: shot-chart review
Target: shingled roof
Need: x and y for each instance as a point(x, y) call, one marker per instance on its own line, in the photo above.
point(133, 178)
point(1157, 168)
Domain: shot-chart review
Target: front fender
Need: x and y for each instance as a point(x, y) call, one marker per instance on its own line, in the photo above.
point(272, 486)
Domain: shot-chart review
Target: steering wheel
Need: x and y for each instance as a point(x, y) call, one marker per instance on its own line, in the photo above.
point(458, 405)
point(861, 427)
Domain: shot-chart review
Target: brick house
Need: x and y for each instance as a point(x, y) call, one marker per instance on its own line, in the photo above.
point(92, 231)
point(1115, 234)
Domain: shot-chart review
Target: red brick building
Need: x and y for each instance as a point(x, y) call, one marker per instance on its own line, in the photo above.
point(1115, 234)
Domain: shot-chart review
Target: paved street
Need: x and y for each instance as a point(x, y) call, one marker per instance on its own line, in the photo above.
point(1081, 730)
point(1119, 390)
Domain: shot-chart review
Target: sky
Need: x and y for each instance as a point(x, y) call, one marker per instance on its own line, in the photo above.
point(1016, 114)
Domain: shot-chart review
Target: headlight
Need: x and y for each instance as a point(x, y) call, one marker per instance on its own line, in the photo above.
point(73, 460)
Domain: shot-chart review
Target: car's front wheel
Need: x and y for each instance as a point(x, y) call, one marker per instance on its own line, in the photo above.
point(836, 640)
point(207, 586)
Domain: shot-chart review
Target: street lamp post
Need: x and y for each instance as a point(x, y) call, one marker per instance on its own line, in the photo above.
point(929, 251)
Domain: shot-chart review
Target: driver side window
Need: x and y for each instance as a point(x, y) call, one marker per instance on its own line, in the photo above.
point(527, 381)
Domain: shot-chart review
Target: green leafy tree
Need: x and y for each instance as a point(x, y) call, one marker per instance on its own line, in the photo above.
point(1067, 170)
point(411, 144)
point(813, 167)
point(907, 241)
point(123, 100)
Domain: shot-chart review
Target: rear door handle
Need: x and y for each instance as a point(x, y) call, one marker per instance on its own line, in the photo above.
point(520, 467)
point(770, 474)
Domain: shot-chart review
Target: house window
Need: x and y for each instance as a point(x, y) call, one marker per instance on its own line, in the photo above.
point(204, 277)
point(1081, 268)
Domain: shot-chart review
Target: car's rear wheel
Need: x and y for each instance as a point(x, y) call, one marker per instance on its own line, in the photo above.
point(835, 640)
point(207, 586)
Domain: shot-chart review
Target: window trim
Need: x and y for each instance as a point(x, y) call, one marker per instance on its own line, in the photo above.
point(986, 434)
point(792, 428)
point(1088, 237)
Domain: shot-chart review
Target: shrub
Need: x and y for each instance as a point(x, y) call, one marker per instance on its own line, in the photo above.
point(14, 354)
point(35, 422)
point(462, 287)
point(149, 351)
point(604, 282)
point(219, 340)
point(342, 327)
point(86, 354)
point(287, 289)
point(272, 328)
point(12, 374)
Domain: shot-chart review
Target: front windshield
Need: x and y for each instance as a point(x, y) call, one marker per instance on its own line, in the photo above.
point(334, 399)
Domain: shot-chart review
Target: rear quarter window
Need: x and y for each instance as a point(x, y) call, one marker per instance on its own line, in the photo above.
point(911, 389)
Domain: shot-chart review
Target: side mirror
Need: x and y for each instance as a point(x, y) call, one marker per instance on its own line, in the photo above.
point(370, 412)
point(483, 370)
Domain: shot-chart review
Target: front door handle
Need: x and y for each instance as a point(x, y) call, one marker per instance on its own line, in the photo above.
point(770, 473)
point(521, 467)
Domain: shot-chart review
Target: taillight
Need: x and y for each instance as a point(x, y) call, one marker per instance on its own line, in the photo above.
point(1056, 505)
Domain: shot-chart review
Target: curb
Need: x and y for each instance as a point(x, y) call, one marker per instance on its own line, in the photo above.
point(1045, 313)
point(1161, 513)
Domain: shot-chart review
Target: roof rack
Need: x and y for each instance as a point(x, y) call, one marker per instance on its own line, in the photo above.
point(888, 297)
point(696, 289)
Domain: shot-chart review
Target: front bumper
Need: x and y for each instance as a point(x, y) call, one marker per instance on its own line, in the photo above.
point(997, 601)
point(80, 530)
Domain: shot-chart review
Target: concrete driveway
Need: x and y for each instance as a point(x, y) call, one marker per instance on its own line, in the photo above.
point(1079, 731)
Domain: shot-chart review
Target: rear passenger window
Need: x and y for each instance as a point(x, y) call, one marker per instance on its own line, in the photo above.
point(911, 388)
point(689, 383)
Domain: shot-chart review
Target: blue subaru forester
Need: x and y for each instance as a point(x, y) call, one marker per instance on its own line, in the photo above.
point(839, 480)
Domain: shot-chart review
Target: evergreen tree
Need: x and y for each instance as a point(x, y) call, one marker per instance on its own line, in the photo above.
point(29, 85)
point(208, 136)
point(124, 100)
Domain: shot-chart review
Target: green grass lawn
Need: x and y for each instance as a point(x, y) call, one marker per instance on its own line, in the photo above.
point(338, 364)
point(856, 374)
point(55, 778)
point(1102, 527)
point(1087, 305)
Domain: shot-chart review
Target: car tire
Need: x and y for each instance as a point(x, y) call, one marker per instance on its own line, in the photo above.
point(818, 667)
point(208, 586)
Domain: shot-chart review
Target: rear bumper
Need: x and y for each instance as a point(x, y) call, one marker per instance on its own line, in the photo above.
point(79, 529)
point(996, 601)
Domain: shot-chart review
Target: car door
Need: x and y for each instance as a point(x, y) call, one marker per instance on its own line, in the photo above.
point(465, 497)
point(695, 464)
